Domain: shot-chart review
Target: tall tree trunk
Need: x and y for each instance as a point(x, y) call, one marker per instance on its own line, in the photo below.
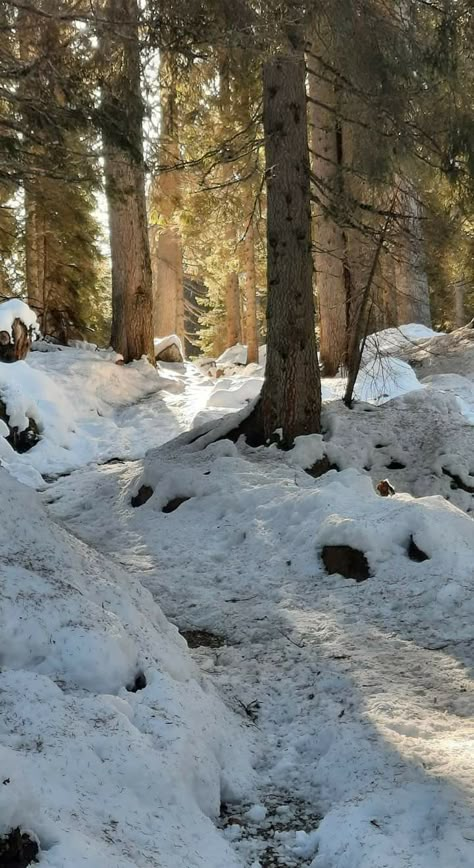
point(231, 277)
point(328, 237)
point(460, 313)
point(413, 295)
point(122, 108)
point(251, 330)
point(28, 39)
point(167, 249)
point(232, 306)
point(291, 394)
point(35, 244)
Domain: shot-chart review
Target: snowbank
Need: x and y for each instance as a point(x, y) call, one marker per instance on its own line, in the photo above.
point(162, 344)
point(363, 690)
point(99, 774)
point(80, 401)
point(390, 341)
point(14, 309)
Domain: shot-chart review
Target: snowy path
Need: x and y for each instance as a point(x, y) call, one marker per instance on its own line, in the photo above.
point(361, 694)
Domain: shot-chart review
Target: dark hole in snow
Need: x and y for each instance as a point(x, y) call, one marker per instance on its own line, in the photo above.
point(321, 467)
point(415, 553)
point(144, 493)
point(348, 562)
point(202, 639)
point(458, 482)
point(381, 445)
point(139, 683)
point(20, 441)
point(17, 850)
point(395, 465)
point(174, 503)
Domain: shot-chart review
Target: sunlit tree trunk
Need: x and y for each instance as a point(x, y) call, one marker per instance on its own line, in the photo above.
point(251, 332)
point(167, 247)
point(460, 314)
point(291, 394)
point(413, 295)
point(122, 112)
point(231, 277)
point(328, 237)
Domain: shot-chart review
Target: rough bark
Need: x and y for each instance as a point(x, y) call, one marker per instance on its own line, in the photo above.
point(460, 314)
point(167, 248)
point(328, 237)
point(132, 333)
point(35, 238)
point(291, 394)
point(232, 306)
point(35, 245)
point(231, 277)
point(251, 331)
point(413, 295)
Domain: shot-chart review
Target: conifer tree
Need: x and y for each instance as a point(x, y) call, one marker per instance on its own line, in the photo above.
point(122, 124)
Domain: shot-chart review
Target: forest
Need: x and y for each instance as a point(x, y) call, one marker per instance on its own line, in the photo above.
point(236, 433)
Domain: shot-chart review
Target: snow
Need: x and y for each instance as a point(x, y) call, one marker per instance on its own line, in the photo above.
point(14, 309)
point(334, 718)
point(164, 343)
point(88, 409)
point(389, 341)
point(236, 355)
point(100, 775)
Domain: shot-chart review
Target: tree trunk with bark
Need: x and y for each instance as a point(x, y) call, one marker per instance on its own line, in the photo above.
point(35, 245)
point(460, 313)
point(251, 330)
point(167, 247)
point(231, 277)
point(291, 394)
point(413, 294)
point(232, 306)
point(122, 112)
point(328, 236)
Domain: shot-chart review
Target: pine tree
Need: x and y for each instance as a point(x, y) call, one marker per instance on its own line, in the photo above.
point(166, 241)
point(122, 123)
point(291, 394)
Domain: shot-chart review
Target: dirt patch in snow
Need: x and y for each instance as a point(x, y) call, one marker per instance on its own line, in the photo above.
point(276, 834)
point(202, 639)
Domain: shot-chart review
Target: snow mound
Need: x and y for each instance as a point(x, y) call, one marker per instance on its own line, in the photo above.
point(80, 402)
point(363, 689)
point(390, 341)
point(413, 440)
point(14, 309)
point(232, 393)
point(236, 355)
point(162, 344)
point(99, 774)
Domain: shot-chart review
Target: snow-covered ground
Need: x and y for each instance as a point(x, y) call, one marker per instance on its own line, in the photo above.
point(353, 702)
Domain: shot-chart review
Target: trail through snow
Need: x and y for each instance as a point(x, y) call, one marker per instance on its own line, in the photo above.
point(357, 698)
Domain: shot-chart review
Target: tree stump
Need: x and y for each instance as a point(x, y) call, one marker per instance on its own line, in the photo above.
point(16, 347)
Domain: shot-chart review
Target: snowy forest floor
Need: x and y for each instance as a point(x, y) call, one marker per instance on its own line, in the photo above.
point(345, 736)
